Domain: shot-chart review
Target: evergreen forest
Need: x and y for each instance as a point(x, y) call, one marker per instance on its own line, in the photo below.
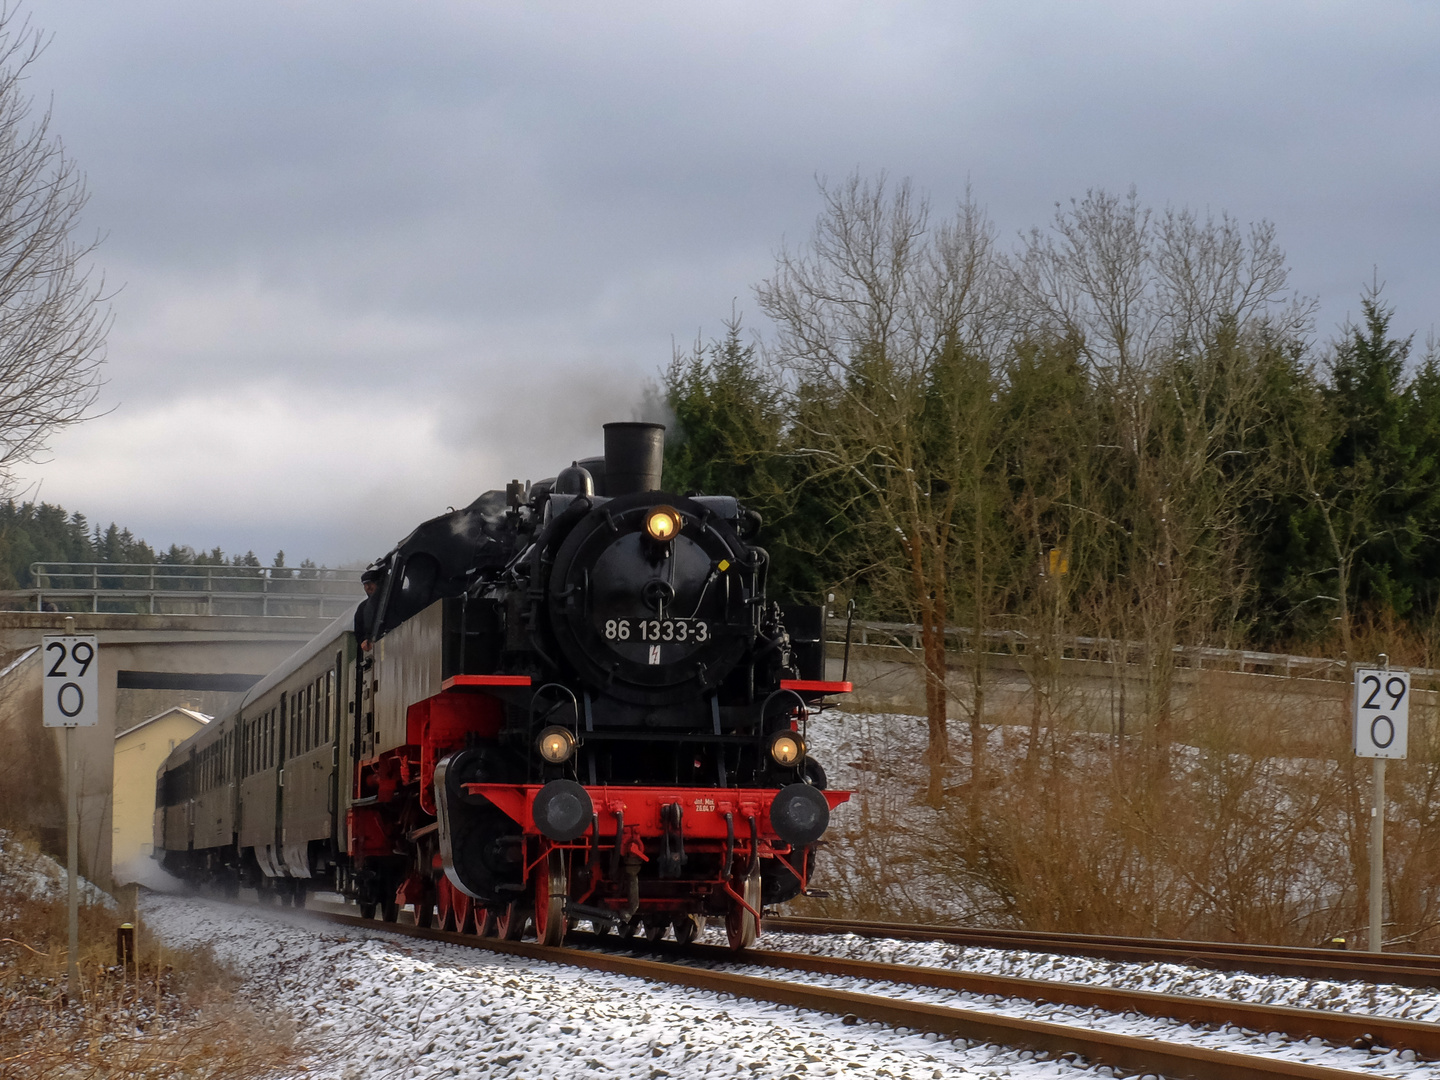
point(33, 532)
point(1127, 427)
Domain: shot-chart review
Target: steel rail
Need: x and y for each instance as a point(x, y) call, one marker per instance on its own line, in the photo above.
point(1404, 969)
point(1333, 1027)
point(1127, 1052)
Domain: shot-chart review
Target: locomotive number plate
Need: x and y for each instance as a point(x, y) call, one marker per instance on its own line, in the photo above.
point(684, 631)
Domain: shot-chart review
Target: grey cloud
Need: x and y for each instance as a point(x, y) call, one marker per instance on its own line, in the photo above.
point(512, 210)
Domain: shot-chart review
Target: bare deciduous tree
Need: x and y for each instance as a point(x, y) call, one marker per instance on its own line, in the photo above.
point(884, 323)
point(53, 317)
point(1175, 318)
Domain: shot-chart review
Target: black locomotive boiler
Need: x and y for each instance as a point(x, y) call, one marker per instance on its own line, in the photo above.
point(572, 700)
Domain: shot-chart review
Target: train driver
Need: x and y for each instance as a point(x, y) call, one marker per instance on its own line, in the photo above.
point(371, 580)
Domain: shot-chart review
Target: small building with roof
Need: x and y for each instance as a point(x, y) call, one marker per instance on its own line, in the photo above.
point(139, 752)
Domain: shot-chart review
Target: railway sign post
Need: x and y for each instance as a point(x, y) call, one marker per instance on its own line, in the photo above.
point(1381, 732)
point(72, 699)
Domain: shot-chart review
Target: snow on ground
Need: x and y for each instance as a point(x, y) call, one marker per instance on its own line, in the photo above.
point(374, 1005)
point(27, 873)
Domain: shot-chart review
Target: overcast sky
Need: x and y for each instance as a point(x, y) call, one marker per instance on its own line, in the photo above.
point(377, 258)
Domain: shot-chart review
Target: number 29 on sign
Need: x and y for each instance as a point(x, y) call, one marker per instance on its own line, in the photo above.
point(72, 681)
point(1382, 712)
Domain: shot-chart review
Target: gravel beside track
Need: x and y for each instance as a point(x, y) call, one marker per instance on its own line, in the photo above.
point(375, 1005)
point(1337, 1028)
point(995, 1012)
point(1405, 969)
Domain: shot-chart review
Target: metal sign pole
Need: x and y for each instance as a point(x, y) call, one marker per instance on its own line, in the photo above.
point(1382, 731)
point(1377, 853)
point(72, 851)
point(72, 867)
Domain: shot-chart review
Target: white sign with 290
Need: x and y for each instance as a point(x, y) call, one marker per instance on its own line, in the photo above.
point(72, 681)
point(1382, 712)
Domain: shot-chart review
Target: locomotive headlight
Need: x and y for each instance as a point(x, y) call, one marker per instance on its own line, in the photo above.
point(786, 748)
point(556, 744)
point(663, 524)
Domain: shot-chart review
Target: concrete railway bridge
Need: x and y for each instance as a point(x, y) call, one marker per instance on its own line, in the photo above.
point(198, 643)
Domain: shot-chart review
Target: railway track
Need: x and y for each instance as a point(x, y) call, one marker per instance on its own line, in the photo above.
point(689, 966)
point(1404, 969)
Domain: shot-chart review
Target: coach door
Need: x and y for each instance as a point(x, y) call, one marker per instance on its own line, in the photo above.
point(310, 767)
point(282, 726)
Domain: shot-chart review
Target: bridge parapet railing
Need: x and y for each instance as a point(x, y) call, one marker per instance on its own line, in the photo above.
point(180, 589)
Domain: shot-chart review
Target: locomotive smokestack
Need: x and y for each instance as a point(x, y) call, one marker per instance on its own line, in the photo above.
point(634, 455)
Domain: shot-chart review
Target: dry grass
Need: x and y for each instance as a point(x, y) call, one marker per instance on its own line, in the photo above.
point(172, 1015)
point(1250, 824)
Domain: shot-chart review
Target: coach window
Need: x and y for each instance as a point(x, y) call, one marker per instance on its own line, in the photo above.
point(329, 698)
point(310, 717)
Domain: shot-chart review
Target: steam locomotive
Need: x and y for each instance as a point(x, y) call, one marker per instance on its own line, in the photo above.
point(568, 701)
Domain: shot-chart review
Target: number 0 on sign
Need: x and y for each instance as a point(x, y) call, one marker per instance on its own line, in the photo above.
point(72, 681)
point(1382, 713)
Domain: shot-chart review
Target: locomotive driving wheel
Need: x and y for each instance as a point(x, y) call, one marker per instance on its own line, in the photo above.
point(510, 922)
point(688, 927)
point(464, 908)
point(444, 905)
point(741, 926)
point(551, 886)
point(485, 922)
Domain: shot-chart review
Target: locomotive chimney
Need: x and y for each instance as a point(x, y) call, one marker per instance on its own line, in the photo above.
point(634, 454)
